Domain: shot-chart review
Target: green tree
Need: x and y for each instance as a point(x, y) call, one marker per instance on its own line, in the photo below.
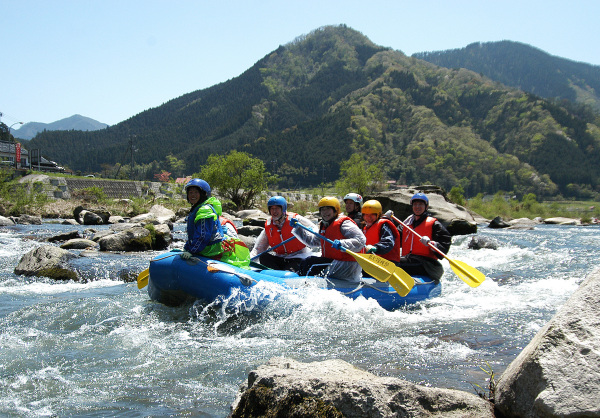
point(358, 176)
point(457, 195)
point(237, 176)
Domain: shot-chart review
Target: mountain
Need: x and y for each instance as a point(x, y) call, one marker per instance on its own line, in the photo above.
point(309, 105)
point(75, 122)
point(527, 68)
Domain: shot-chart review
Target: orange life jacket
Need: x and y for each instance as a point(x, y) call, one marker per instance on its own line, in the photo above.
point(276, 236)
point(411, 244)
point(333, 232)
point(373, 235)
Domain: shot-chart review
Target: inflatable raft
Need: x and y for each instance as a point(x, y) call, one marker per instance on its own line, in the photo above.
point(174, 281)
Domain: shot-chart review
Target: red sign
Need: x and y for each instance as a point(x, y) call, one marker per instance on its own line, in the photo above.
point(18, 155)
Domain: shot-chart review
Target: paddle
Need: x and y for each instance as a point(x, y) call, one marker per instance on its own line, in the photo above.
point(272, 248)
point(377, 267)
point(468, 274)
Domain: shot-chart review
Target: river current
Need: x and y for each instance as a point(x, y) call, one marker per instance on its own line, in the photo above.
point(103, 348)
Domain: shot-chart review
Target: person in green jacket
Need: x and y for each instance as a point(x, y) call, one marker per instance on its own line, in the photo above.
point(206, 236)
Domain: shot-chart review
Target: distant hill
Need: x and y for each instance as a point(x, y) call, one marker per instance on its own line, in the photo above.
point(75, 122)
point(307, 106)
point(527, 68)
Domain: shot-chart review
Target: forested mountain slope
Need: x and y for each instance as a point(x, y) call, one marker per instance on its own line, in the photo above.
point(310, 104)
point(527, 68)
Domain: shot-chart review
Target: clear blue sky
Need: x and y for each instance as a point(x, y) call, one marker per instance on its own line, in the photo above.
point(112, 59)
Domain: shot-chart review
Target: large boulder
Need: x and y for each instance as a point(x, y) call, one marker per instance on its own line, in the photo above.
point(252, 217)
point(91, 216)
point(558, 373)
point(562, 221)
point(334, 388)
point(6, 221)
point(47, 261)
point(27, 219)
point(157, 215)
point(132, 239)
point(455, 218)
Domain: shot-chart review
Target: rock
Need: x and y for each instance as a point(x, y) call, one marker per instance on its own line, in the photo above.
point(115, 219)
point(558, 373)
point(79, 244)
point(252, 217)
point(96, 237)
point(477, 243)
point(64, 236)
point(163, 237)
point(523, 223)
point(455, 218)
point(80, 212)
point(250, 231)
point(132, 239)
point(27, 220)
point(249, 241)
point(91, 218)
point(163, 214)
point(69, 222)
point(6, 221)
point(334, 388)
point(48, 261)
point(562, 221)
point(497, 223)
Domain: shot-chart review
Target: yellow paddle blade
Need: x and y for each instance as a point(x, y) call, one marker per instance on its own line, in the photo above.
point(385, 271)
point(468, 274)
point(142, 279)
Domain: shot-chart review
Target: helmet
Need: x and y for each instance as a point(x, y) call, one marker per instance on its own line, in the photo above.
point(355, 197)
point(199, 183)
point(330, 201)
point(420, 196)
point(372, 206)
point(277, 201)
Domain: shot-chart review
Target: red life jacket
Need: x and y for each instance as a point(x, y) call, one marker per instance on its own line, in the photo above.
point(411, 244)
point(225, 221)
point(276, 236)
point(373, 234)
point(333, 232)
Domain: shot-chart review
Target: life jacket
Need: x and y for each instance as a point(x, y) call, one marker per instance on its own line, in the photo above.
point(206, 210)
point(224, 221)
point(373, 234)
point(333, 232)
point(276, 236)
point(411, 244)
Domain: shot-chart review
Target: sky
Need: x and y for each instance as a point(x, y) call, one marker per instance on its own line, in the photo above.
point(112, 59)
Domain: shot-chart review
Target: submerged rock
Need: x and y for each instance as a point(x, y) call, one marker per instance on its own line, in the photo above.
point(47, 261)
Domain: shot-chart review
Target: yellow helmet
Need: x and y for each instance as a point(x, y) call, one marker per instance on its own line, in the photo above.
point(372, 206)
point(330, 201)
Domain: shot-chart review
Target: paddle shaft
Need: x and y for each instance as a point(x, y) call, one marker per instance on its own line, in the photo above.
point(272, 248)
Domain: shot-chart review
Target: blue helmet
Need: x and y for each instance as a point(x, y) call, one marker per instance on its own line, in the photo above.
point(199, 183)
point(420, 196)
point(277, 201)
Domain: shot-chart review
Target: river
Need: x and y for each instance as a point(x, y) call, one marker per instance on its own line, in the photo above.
point(103, 348)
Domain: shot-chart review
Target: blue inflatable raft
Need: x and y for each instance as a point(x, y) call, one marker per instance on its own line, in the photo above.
point(174, 281)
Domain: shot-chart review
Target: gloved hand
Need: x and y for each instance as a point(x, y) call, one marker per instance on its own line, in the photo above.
point(337, 244)
point(371, 249)
point(185, 255)
point(425, 240)
point(293, 222)
point(388, 215)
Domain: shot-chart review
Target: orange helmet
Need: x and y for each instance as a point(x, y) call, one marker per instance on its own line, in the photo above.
point(330, 201)
point(372, 206)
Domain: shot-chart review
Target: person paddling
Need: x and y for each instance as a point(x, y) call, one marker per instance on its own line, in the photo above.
point(343, 231)
point(381, 234)
point(417, 258)
point(277, 230)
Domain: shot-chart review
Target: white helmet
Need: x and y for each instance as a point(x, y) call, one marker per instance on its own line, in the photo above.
point(354, 197)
